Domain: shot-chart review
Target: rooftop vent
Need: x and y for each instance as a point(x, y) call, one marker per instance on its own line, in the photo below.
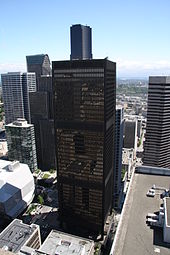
point(13, 166)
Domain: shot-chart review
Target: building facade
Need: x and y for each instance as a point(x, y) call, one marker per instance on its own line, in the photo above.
point(21, 143)
point(118, 155)
point(157, 138)
point(16, 89)
point(41, 107)
point(81, 42)
point(84, 116)
point(40, 64)
point(18, 235)
point(16, 188)
point(130, 134)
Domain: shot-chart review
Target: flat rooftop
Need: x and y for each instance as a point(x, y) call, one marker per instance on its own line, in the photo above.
point(15, 235)
point(19, 123)
point(134, 236)
point(62, 243)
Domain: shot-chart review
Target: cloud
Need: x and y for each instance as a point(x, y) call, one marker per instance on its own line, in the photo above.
point(141, 68)
point(126, 68)
point(14, 67)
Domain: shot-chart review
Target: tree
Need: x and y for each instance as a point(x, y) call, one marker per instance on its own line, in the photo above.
point(40, 199)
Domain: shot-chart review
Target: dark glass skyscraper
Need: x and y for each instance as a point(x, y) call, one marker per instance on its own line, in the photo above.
point(84, 115)
point(41, 108)
point(40, 64)
point(81, 42)
point(119, 121)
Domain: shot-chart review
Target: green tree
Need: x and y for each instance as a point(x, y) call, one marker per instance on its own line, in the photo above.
point(40, 199)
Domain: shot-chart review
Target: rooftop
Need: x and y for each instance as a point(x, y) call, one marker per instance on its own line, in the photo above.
point(16, 187)
point(4, 252)
point(159, 79)
point(19, 123)
point(35, 59)
point(13, 173)
point(15, 235)
point(133, 235)
point(62, 244)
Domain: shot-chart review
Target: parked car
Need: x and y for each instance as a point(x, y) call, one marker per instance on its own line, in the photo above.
point(150, 193)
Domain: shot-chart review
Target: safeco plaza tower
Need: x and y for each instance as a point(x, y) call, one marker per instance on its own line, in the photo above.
point(84, 114)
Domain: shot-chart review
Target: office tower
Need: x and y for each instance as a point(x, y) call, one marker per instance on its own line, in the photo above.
point(118, 155)
point(81, 42)
point(139, 126)
point(41, 107)
point(157, 138)
point(84, 116)
point(130, 134)
point(40, 64)
point(16, 89)
point(21, 143)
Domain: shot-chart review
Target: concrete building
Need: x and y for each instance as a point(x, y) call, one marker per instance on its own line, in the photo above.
point(16, 89)
point(127, 161)
point(40, 64)
point(41, 107)
point(16, 188)
point(21, 143)
point(56, 243)
point(157, 138)
point(118, 155)
point(62, 243)
point(17, 234)
point(81, 42)
point(84, 114)
point(133, 235)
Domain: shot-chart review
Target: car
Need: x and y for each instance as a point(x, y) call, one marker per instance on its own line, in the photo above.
point(152, 216)
point(150, 193)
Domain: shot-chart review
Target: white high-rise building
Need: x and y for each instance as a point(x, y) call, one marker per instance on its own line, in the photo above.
point(16, 87)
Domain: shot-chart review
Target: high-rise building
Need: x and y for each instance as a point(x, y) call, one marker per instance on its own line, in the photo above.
point(41, 107)
point(130, 134)
point(84, 115)
point(81, 42)
point(157, 138)
point(118, 156)
point(21, 143)
point(40, 64)
point(16, 88)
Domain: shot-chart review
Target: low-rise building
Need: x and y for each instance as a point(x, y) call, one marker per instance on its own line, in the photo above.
point(16, 188)
point(133, 235)
point(17, 234)
point(62, 243)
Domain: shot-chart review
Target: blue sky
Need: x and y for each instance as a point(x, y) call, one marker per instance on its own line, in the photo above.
point(134, 33)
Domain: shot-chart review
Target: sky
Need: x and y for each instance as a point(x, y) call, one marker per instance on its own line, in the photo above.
point(133, 33)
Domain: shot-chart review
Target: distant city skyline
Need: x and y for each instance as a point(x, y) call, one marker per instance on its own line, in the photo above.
point(132, 33)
